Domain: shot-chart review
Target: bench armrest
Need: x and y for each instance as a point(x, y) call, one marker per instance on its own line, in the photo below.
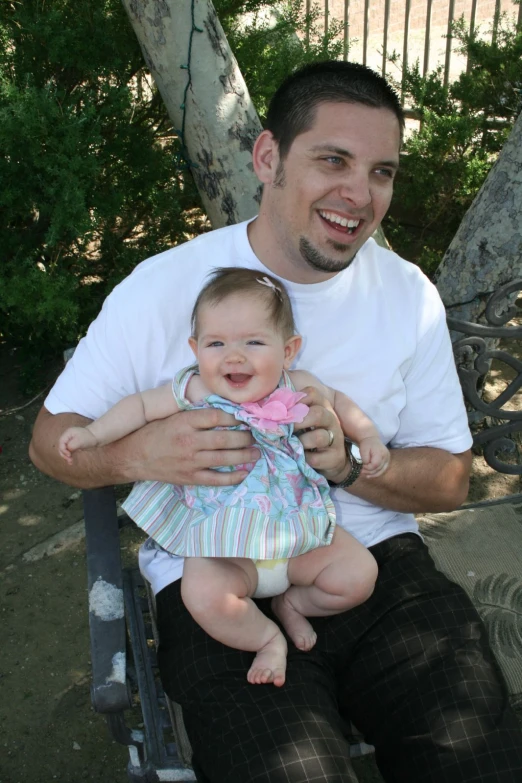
point(109, 690)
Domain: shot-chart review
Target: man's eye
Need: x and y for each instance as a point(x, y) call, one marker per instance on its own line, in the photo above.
point(335, 159)
point(389, 173)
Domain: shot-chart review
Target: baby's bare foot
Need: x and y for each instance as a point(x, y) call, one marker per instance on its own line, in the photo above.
point(269, 665)
point(295, 624)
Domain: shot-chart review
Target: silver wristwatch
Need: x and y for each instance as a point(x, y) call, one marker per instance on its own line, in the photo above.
point(354, 455)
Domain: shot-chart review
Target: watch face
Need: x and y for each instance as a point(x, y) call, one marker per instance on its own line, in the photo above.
point(356, 453)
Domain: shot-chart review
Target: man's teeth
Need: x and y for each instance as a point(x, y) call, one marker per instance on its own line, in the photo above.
point(344, 222)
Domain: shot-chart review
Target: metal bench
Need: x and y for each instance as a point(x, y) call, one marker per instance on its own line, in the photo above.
point(126, 687)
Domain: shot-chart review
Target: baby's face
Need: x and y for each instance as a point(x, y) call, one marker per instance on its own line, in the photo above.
point(241, 355)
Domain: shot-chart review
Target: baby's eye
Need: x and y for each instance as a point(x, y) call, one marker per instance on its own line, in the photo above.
point(215, 344)
point(255, 342)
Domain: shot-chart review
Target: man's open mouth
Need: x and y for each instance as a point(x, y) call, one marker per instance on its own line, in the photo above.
point(341, 224)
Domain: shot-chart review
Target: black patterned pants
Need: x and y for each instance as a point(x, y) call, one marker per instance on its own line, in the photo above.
point(411, 668)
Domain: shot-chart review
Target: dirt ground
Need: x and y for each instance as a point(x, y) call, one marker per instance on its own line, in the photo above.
point(48, 729)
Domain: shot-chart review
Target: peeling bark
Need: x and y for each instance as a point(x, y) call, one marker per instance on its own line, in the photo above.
point(221, 123)
point(486, 251)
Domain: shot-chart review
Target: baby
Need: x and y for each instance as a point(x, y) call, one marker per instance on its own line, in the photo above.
point(274, 534)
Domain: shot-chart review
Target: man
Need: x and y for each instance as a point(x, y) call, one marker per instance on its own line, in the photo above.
point(411, 667)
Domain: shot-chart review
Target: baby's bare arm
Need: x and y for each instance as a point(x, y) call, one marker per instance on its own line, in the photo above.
point(361, 429)
point(128, 415)
point(196, 389)
point(354, 422)
point(302, 379)
point(133, 412)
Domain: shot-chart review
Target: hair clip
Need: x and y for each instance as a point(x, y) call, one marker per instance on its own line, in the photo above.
point(269, 284)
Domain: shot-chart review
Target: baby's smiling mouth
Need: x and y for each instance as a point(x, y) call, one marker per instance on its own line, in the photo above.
point(237, 378)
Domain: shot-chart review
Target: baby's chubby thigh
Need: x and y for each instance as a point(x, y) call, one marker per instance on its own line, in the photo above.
point(217, 591)
point(208, 582)
point(344, 568)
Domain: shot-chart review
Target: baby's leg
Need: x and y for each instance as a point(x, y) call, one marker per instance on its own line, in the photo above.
point(216, 591)
point(325, 581)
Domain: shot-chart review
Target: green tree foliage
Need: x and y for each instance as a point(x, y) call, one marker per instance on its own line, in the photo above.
point(90, 181)
point(268, 49)
point(463, 128)
point(92, 177)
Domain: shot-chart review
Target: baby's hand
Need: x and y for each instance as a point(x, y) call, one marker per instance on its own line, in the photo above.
point(73, 439)
point(375, 457)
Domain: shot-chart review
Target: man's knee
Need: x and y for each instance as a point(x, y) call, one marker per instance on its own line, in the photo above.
point(301, 751)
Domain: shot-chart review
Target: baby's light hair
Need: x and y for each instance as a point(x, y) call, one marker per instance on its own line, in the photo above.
point(227, 281)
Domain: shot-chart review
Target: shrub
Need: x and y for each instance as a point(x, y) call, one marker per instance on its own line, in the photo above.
point(90, 184)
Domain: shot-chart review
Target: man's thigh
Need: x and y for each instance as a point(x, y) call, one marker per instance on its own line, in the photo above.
point(255, 733)
point(421, 682)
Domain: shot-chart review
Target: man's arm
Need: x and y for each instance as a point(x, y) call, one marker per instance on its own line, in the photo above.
point(181, 449)
point(418, 479)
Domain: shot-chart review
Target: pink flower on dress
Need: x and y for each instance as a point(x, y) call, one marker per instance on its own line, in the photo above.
point(237, 498)
point(280, 407)
point(264, 503)
point(188, 499)
point(296, 482)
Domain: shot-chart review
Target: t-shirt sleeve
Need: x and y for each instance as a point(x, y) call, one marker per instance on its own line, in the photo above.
point(100, 371)
point(434, 414)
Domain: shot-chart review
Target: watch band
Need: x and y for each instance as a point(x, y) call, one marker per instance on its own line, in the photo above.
point(356, 464)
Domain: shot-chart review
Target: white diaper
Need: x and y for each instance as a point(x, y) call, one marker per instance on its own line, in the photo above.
point(272, 578)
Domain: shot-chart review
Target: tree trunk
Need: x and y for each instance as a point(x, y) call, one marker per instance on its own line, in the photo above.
point(486, 251)
point(215, 114)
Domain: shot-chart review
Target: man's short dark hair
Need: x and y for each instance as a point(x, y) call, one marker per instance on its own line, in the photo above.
point(293, 107)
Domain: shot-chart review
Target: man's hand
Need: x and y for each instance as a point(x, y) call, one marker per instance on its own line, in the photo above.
point(184, 448)
point(325, 455)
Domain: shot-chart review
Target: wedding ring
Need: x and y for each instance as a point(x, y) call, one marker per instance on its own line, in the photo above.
point(331, 438)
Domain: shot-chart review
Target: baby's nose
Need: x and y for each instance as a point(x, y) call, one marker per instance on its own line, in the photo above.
point(235, 355)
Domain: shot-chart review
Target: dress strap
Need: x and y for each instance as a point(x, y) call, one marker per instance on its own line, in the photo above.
point(286, 381)
point(180, 383)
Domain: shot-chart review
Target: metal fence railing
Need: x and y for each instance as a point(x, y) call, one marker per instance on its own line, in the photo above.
point(415, 29)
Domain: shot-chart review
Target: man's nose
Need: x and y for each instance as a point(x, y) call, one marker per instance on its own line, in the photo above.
point(355, 189)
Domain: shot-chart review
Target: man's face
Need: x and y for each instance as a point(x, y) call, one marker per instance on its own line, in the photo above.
point(329, 194)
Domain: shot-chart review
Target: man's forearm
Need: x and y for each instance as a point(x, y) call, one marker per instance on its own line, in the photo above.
point(96, 467)
point(418, 480)
point(184, 448)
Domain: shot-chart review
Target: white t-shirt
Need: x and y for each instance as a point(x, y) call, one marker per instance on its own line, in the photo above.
point(376, 331)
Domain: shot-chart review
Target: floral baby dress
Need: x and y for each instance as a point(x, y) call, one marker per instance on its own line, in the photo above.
point(281, 509)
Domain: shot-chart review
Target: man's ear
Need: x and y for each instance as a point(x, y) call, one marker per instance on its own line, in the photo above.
point(292, 348)
point(265, 157)
point(194, 345)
